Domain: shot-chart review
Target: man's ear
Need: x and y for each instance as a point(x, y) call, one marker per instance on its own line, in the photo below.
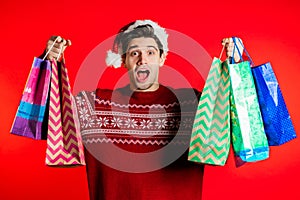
point(162, 59)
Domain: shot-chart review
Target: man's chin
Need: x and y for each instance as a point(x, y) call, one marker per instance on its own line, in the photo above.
point(146, 87)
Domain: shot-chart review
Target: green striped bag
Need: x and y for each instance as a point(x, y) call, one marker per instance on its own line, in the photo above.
point(210, 140)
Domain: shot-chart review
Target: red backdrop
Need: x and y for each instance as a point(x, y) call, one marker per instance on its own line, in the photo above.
point(267, 28)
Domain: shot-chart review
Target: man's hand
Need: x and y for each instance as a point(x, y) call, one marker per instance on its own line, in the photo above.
point(59, 47)
point(229, 45)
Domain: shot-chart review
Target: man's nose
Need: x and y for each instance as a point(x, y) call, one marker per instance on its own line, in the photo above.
point(142, 58)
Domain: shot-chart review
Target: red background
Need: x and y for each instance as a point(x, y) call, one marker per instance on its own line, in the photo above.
point(268, 28)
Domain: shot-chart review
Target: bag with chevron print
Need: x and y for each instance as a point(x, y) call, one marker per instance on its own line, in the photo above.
point(210, 140)
point(64, 142)
point(249, 140)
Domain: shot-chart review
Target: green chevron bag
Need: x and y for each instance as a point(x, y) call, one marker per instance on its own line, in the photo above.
point(210, 140)
point(249, 140)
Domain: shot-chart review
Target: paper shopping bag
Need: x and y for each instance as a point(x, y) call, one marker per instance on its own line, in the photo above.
point(64, 143)
point(248, 136)
point(277, 121)
point(210, 140)
point(31, 117)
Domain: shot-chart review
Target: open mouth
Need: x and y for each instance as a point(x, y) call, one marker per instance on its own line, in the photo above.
point(142, 75)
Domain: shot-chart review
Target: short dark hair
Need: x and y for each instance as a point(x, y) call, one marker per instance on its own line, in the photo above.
point(122, 39)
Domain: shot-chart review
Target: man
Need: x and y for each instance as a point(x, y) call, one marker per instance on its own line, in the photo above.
point(136, 137)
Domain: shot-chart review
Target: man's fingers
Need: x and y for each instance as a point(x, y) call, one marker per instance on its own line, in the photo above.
point(229, 45)
point(63, 42)
point(69, 43)
point(56, 48)
point(226, 41)
point(59, 40)
point(66, 44)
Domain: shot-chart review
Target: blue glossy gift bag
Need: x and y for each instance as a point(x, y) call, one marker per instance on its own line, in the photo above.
point(276, 118)
point(277, 121)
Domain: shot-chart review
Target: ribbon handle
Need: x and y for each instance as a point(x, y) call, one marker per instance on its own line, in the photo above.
point(222, 52)
point(235, 39)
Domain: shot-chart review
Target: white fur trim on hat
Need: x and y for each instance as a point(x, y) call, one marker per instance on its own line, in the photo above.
point(113, 59)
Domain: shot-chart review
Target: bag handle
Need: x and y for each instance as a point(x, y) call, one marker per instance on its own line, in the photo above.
point(60, 50)
point(239, 52)
point(222, 52)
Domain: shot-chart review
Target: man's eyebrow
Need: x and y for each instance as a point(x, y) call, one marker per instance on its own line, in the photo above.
point(136, 46)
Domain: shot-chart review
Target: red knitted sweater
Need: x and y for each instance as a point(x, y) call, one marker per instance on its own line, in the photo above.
point(136, 144)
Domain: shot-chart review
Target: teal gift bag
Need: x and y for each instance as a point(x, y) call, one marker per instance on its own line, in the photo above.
point(249, 140)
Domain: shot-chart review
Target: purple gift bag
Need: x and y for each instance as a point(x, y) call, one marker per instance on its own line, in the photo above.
point(31, 116)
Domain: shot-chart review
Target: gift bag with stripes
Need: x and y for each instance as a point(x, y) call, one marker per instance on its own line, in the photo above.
point(210, 140)
point(64, 143)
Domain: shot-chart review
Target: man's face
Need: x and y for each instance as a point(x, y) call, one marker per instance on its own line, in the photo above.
point(143, 62)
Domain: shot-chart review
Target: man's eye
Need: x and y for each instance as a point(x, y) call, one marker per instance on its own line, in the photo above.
point(134, 53)
point(151, 52)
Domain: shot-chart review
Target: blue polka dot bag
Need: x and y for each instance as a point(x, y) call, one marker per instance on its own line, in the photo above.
point(277, 121)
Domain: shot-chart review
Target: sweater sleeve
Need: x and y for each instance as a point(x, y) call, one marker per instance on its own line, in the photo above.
point(84, 107)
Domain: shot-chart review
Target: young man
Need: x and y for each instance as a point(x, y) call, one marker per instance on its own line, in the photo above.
point(136, 137)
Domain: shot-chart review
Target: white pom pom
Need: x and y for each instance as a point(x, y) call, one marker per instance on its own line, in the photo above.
point(113, 59)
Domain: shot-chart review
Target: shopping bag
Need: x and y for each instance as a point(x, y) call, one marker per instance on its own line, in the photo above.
point(277, 121)
point(210, 139)
point(31, 117)
point(64, 142)
point(276, 118)
point(249, 140)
